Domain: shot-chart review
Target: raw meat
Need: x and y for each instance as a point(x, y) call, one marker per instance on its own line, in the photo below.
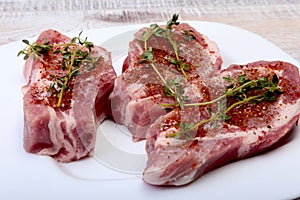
point(68, 132)
point(138, 92)
point(251, 129)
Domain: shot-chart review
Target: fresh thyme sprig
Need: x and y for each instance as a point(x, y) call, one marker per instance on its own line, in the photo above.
point(185, 129)
point(241, 87)
point(179, 63)
point(173, 21)
point(241, 91)
point(155, 30)
point(172, 88)
point(34, 48)
point(166, 32)
point(74, 54)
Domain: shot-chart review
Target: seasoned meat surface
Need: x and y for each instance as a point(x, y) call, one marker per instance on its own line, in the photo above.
point(66, 132)
point(251, 127)
point(138, 91)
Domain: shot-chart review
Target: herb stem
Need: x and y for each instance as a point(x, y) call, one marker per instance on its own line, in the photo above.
point(175, 48)
point(206, 103)
point(73, 54)
point(164, 81)
point(216, 116)
point(63, 45)
point(146, 38)
point(239, 90)
point(67, 78)
point(228, 93)
point(145, 45)
point(245, 100)
point(159, 74)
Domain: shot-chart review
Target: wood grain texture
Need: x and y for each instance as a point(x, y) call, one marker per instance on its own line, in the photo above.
point(276, 20)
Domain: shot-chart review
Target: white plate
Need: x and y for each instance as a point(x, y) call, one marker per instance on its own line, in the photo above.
point(114, 171)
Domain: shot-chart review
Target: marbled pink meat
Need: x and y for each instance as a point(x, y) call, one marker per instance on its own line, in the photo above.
point(252, 128)
point(66, 133)
point(138, 90)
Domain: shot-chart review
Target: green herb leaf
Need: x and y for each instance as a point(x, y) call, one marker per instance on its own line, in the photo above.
point(275, 80)
point(188, 35)
point(184, 132)
point(26, 42)
point(173, 21)
point(147, 56)
point(228, 79)
point(263, 90)
point(242, 79)
point(73, 53)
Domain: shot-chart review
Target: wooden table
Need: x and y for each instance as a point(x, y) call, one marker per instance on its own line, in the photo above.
point(276, 20)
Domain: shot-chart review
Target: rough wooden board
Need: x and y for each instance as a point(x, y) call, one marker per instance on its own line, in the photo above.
point(276, 20)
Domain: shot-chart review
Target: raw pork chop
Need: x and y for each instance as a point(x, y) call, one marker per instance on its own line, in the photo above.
point(138, 92)
point(253, 127)
point(66, 132)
